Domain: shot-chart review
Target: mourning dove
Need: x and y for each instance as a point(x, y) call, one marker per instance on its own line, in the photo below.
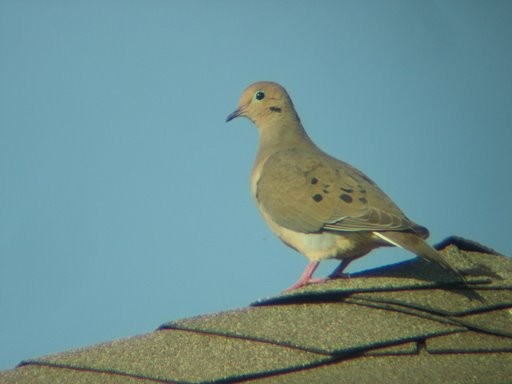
point(320, 206)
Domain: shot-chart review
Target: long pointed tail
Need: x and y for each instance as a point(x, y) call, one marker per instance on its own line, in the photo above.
point(420, 247)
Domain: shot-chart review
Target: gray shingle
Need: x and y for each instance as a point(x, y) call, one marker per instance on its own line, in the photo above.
point(403, 323)
point(184, 356)
point(412, 369)
point(334, 328)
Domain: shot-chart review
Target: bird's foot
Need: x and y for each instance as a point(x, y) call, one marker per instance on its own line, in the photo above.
point(340, 275)
point(307, 277)
point(305, 282)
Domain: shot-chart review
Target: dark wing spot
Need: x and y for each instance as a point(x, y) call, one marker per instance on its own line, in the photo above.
point(314, 180)
point(346, 198)
point(363, 200)
point(348, 190)
point(275, 109)
point(318, 197)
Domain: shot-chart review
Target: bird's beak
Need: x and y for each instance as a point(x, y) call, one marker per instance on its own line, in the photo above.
point(231, 116)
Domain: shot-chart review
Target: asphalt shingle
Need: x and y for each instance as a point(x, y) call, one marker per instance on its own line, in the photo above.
point(403, 323)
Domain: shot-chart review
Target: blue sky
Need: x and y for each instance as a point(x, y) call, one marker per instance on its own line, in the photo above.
point(124, 196)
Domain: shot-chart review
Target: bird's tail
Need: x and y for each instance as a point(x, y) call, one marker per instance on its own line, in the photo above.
point(413, 243)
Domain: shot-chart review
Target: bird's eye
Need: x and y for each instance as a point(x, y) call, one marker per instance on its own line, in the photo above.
point(260, 95)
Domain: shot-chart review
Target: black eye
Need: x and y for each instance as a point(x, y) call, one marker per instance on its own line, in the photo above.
point(260, 95)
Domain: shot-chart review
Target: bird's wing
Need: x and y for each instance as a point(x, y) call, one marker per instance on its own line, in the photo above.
point(309, 191)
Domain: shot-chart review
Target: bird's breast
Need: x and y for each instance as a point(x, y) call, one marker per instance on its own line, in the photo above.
point(315, 246)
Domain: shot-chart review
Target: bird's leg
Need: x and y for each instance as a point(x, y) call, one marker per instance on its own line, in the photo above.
point(338, 272)
point(306, 277)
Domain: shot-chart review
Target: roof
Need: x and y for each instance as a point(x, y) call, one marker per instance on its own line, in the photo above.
point(403, 323)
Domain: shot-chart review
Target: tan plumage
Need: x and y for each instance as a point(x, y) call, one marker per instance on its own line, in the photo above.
point(319, 205)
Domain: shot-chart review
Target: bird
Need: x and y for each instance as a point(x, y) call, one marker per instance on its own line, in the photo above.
point(322, 207)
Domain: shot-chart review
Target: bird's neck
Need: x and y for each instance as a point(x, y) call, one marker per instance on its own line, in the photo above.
point(283, 135)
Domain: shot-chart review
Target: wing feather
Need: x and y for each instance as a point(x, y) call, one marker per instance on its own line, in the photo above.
point(308, 191)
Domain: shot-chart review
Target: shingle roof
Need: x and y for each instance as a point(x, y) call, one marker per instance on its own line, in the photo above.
point(403, 323)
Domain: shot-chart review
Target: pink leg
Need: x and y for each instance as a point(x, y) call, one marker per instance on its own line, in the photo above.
point(338, 272)
point(306, 277)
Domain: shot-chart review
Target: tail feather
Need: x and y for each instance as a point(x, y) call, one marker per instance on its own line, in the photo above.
point(420, 247)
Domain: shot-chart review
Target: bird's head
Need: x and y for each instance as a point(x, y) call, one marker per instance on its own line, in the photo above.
point(262, 102)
